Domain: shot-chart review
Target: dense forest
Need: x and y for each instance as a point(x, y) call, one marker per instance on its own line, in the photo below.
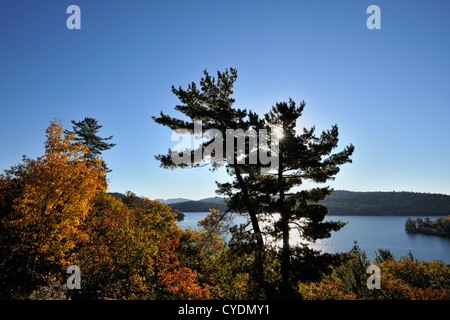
point(387, 203)
point(131, 197)
point(356, 204)
point(439, 227)
point(198, 206)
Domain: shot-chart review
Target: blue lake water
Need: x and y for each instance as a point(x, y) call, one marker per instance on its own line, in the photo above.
point(371, 233)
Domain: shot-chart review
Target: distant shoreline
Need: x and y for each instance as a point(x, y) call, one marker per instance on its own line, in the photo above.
point(359, 215)
point(353, 203)
point(348, 203)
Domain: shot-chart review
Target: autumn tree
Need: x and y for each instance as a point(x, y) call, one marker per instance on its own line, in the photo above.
point(402, 279)
point(132, 251)
point(221, 256)
point(179, 280)
point(42, 224)
point(117, 254)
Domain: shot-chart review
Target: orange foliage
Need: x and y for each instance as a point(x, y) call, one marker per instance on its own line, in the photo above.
point(326, 290)
point(402, 279)
point(132, 252)
point(180, 280)
point(117, 255)
point(54, 200)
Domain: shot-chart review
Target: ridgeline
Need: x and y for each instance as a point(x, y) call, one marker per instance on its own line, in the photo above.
point(387, 204)
point(354, 204)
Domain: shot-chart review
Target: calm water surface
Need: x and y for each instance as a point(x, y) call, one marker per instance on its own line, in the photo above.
point(371, 233)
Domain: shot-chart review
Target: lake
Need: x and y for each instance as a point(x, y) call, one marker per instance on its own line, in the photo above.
point(371, 233)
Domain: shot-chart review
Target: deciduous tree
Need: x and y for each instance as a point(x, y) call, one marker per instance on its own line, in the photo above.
point(42, 224)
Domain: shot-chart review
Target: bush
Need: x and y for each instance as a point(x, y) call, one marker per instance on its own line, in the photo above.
point(402, 279)
point(53, 290)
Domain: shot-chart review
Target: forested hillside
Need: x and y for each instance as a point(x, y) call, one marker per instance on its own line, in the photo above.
point(130, 199)
point(198, 206)
point(357, 204)
point(387, 203)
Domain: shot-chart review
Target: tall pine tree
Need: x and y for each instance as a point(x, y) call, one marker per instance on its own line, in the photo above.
point(275, 195)
point(86, 131)
point(260, 196)
point(212, 104)
point(304, 156)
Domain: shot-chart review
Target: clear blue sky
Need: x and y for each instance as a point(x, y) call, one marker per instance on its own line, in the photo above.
point(388, 90)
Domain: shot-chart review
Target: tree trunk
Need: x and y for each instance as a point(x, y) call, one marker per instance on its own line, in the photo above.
point(259, 260)
point(285, 251)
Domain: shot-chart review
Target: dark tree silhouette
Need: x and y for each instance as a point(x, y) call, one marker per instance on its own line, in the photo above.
point(86, 131)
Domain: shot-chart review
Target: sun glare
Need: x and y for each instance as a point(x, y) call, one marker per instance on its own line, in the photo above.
point(278, 132)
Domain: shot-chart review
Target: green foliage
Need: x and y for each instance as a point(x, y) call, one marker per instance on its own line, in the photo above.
point(53, 290)
point(353, 273)
point(211, 102)
point(86, 131)
point(131, 200)
point(198, 206)
point(41, 224)
point(387, 203)
point(302, 156)
point(402, 279)
point(439, 227)
point(55, 213)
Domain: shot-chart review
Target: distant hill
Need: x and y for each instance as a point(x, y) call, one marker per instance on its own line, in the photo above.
point(199, 206)
point(177, 200)
point(387, 203)
point(212, 199)
point(202, 205)
point(118, 195)
point(351, 203)
point(135, 200)
point(173, 200)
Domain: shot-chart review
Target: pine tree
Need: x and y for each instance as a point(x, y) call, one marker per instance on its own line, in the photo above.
point(213, 106)
point(262, 194)
point(86, 132)
point(301, 157)
point(410, 226)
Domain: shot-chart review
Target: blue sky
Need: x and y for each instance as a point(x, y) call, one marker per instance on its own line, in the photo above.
point(388, 89)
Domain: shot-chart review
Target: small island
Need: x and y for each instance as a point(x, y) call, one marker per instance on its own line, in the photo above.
point(439, 227)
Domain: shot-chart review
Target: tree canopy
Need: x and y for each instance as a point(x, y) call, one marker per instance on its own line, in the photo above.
point(40, 228)
point(257, 190)
point(86, 131)
point(439, 227)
